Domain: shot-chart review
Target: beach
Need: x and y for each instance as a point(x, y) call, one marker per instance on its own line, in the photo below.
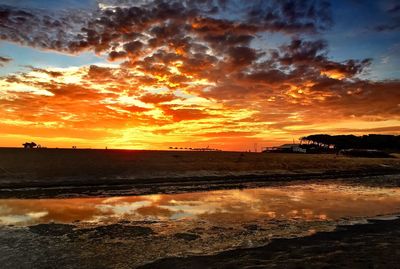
point(66, 172)
point(373, 245)
point(176, 209)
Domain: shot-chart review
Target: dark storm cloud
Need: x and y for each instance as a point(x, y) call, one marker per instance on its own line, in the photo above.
point(388, 27)
point(392, 20)
point(395, 9)
point(157, 98)
point(96, 72)
point(133, 47)
point(292, 16)
point(242, 56)
point(40, 28)
point(220, 41)
point(53, 74)
point(302, 52)
point(4, 60)
point(176, 22)
point(161, 21)
point(377, 100)
point(313, 56)
point(272, 76)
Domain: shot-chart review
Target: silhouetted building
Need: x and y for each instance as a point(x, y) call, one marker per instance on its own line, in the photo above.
point(287, 148)
point(30, 145)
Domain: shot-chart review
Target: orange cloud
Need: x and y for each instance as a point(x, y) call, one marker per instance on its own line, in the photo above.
point(187, 77)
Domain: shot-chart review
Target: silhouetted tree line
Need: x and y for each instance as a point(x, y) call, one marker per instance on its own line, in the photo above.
point(338, 142)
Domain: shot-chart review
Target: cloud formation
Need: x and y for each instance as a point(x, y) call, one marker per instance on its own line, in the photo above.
point(198, 71)
point(4, 60)
point(393, 20)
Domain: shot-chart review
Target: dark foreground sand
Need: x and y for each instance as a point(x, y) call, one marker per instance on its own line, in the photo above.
point(375, 245)
point(65, 172)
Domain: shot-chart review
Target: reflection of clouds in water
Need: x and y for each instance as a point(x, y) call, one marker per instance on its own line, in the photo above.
point(24, 218)
point(191, 210)
point(119, 210)
point(296, 197)
point(36, 215)
point(123, 208)
point(14, 219)
point(181, 215)
point(112, 200)
point(271, 214)
point(299, 202)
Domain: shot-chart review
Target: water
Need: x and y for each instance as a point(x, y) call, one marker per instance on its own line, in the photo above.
point(188, 223)
point(315, 202)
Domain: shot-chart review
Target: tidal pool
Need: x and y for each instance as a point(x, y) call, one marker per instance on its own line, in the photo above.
point(312, 202)
point(165, 225)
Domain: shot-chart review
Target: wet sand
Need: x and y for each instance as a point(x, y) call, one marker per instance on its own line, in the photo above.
point(374, 245)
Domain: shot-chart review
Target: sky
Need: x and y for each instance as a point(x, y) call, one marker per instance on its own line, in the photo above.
point(221, 73)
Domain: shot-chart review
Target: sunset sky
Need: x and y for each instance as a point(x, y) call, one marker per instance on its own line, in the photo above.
point(226, 74)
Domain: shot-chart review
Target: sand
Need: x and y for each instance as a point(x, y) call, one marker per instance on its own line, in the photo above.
point(374, 245)
point(55, 172)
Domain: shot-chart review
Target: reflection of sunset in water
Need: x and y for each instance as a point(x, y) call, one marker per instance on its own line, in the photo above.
point(299, 202)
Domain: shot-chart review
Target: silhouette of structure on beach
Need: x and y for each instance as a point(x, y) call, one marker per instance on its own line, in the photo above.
point(30, 145)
